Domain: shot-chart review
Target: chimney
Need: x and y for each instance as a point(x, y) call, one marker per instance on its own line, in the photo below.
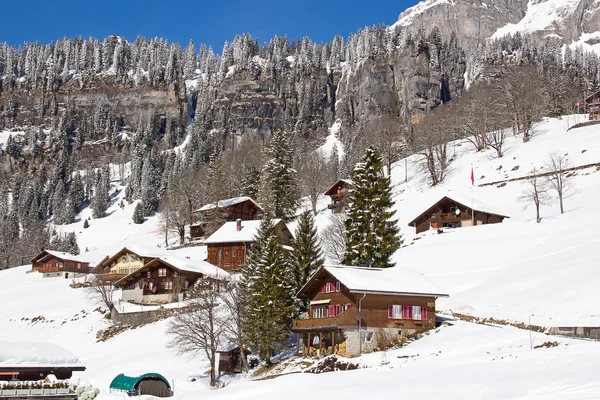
point(238, 225)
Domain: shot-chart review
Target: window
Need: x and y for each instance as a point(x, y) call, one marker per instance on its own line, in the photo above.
point(338, 309)
point(367, 336)
point(416, 313)
point(151, 285)
point(233, 253)
point(394, 311)
point(329, 287)
point(168, 285)
point(338, 287)
point(186, 285)
point(175, 274)
point(227, 265)
point(162, 272)
point(61, 265)
point(346, 306)
point(78, 265)
point(148, 274)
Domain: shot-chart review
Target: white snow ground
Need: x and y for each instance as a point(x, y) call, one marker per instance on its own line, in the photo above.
point(515, 270)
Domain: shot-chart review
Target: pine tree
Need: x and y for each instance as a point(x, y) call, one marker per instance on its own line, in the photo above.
point(307, 256)
point(372, 235)
point(138, 214)
point(70, 243)
point(251, 183)
point(101, 197)
point(269, 283)
point(279, 186)
point(86, 224)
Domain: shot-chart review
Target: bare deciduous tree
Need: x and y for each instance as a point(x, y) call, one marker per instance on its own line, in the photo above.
point(198, 328)
point(236, 300)
point(430, 141)
point(385, 133)
point(315, 178)
point(522, 96)
point(102, 291)
point(185, 194)
point(536, 192)
point(334, 239)
point(558, 177)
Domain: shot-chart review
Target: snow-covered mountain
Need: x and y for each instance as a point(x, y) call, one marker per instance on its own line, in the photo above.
point(476, 20)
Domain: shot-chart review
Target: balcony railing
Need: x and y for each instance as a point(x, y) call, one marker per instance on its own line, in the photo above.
point(344, 319)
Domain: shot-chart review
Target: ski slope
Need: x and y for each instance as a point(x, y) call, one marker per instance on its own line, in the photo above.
point(517, 270)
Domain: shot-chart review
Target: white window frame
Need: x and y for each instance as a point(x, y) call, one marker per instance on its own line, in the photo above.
point(338, 287)
point(162, 272)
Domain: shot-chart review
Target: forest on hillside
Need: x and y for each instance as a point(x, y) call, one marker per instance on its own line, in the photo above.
point(208, 135)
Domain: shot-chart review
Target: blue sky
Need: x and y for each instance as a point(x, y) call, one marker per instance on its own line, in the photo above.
point(211, 22)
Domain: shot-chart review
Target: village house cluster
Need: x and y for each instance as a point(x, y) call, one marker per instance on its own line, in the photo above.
point(348, 306)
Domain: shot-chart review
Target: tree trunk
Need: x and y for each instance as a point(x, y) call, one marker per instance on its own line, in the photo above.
point(537, 212)
point(560, 200)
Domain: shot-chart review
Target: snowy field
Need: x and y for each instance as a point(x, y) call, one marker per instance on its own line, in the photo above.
point(517, 270)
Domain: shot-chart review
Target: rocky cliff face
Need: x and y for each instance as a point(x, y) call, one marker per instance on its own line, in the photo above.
point(472, 21)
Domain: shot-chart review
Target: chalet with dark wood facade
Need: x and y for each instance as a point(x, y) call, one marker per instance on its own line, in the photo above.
point(25, 361)
point(243, 208)
point(450, 213)
point(228, 247)
point(340, 195)
point(166, 279)
point(124, 262)
point(58, 264)
point(593, 106)
point(344, 300)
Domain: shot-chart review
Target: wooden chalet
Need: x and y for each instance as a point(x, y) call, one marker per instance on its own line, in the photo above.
point(343, 299)
point(340, 195)
point(243, 208)
point(59, 264)
point(451, 213)
point(125, 261)
point(593, 106)
point(166, 279)
point(228, 247)
point(35, 361)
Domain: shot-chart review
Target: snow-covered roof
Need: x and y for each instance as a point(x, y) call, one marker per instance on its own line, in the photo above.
point(228, 233)
point(198, 266)
point(65, 256)
point(395, 280)
point(183, 265)
point(347, 181)
point(228, 203)
point(471, 203)
point(24, 354)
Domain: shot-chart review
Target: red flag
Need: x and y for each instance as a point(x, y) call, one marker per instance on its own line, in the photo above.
point(472, 176)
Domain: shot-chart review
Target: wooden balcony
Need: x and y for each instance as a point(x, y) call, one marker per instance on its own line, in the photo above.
point(46, 270)
point(346, 319)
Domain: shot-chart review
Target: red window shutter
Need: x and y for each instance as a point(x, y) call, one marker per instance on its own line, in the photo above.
point(390, 310)
point(424, 313)
point(331, 311)
point(349, 305)
point(323, 289)
point(338, 309)
point(405, 314)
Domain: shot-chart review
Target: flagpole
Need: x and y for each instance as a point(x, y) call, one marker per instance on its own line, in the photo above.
point(472, 201)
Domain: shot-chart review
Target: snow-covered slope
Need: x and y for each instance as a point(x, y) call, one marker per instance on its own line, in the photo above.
point(517, 270)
